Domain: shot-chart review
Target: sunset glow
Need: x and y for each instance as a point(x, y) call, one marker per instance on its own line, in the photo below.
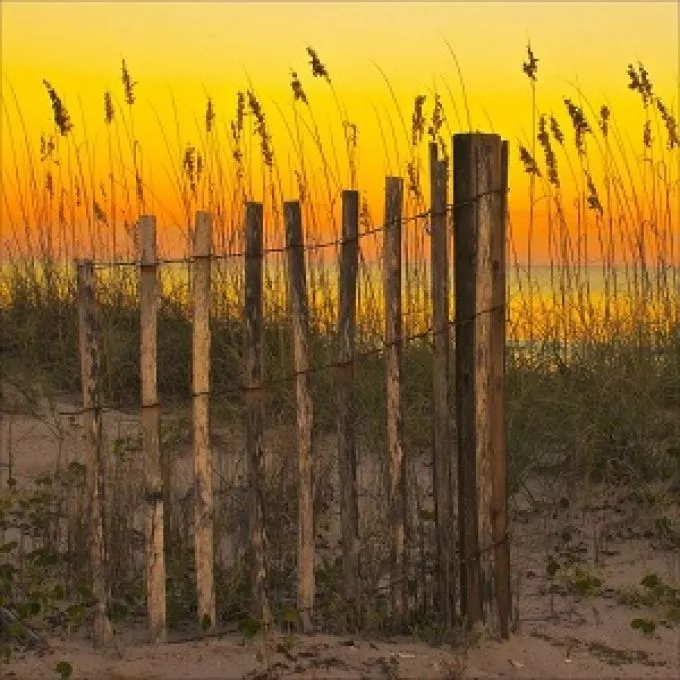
point(179, 54)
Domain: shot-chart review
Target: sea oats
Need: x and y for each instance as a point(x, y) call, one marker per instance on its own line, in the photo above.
point(438, 118)
point(418, 120)
point(670, 123)
point(298, 92)
point(593, 198)
point(49, 184)
point(128, 85)
point(556, 131)
point(99, 214)
point(61, 118)
point(261, 129)
point(108, 108)
point(550, 158)
point(530, 67)
point(605, 115)
point(579, 123)
point(189, 165)
point(319, 70)
point(640, 83)
point(647, 134)
point(209, 116)
point(530, 166)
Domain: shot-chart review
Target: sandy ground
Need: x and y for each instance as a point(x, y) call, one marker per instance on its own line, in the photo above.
point(562, 634)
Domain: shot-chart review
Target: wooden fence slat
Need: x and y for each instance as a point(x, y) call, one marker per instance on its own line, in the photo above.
point(305, 413)
point(477, 163)
point(347, 454)
point(155, 552)
point(203, 463)
point(92, 428)
point(255, 405)
point(442, 450)
point(393, 336)
point(499, 500)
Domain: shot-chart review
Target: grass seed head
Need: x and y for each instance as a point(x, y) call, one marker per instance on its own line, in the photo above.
point(128, 85)
point(49, 185)
point(579, 123)
point(209, 116)
point(640, 83)
point(418, 120)
point(670, 123)
point(319, 70)
point(108, 108)
point(593, 198)
point(605, 115)
point(47, 147)
point(647, 134)
point(556, 131)
point(438, 118)
point(298, 92)
point(261, 129)
point(189, 165)
point(530, 66)
point(99, 214)
point(61, 118)
point(550, 158)
point(530, 165)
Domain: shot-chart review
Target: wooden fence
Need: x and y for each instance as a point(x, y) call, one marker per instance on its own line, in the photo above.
point(470, 507)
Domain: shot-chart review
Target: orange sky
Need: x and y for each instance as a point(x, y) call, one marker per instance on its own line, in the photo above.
point(185, 50)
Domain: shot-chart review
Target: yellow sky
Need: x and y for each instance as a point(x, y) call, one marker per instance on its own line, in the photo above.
point(188, 49)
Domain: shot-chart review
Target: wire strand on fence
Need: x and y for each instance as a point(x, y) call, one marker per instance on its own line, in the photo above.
point(278, 250)
point(291, 376)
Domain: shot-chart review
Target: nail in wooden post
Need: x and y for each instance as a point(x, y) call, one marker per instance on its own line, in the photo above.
point(477, 165)
point(92, 429)
point(499, 501)
point(393, 336)
point(155, 552)
point(442, 450)
point(203, 463)
point(305, 414)
point(347, 453)
point(255, 406)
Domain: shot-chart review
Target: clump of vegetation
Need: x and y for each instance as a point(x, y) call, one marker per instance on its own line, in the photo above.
point(658, 595)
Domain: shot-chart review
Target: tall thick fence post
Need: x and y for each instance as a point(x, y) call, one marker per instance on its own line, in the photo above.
point(347, 452)
point(444, 498)
point(255, 405)
point(499, 465)
point(305, 414)
point(92, 428)
point(478, 199)
point(203, 464)
point(155, 551)
point(393, 336)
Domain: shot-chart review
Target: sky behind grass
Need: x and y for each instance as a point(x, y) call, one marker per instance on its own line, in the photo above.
point(181, 52)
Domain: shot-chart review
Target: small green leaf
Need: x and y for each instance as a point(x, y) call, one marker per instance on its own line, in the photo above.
point(64, 669)
point(645, 626)
point(249, 627)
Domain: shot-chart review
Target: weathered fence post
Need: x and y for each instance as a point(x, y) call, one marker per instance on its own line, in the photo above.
point(499, 471)
point(155, 551)
point(478, 215)
point(92, 428)
point(393, 336)
point(203, 464)
point(255, 405)
point(347, 453)
point(444, 498)
point(305, 414)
